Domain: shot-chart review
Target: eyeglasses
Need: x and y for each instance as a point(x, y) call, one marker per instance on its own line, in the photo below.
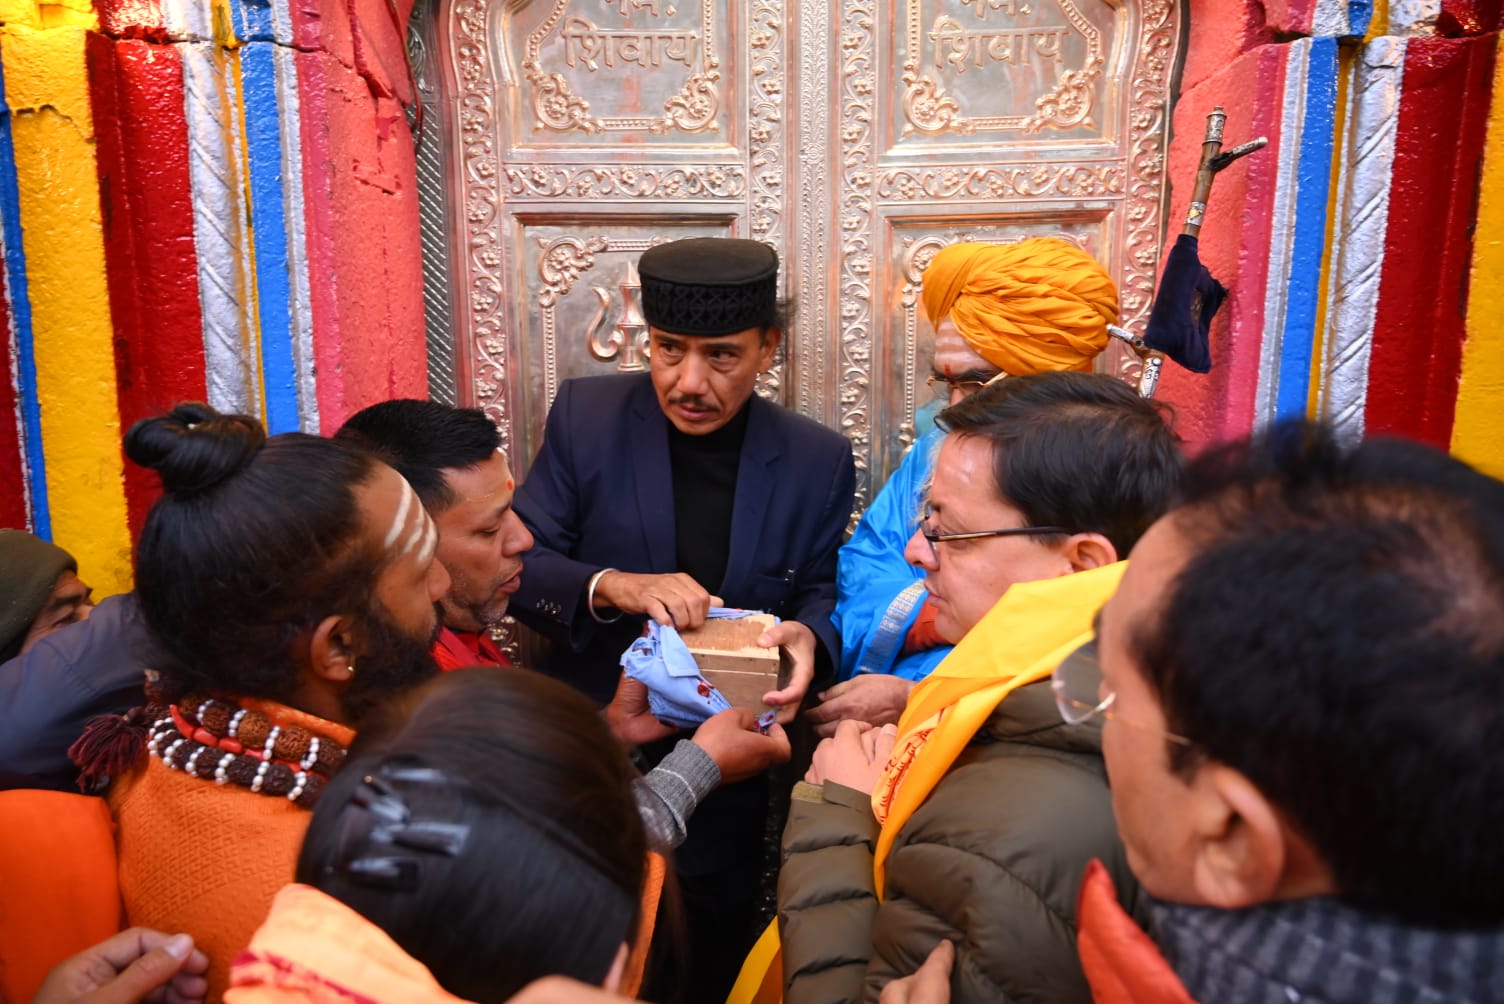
point(1081, 695)
point(1013, 531)
point(966, 387)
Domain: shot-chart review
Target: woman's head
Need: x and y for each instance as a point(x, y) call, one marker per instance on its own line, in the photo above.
point(487, 824)
point(275, 566)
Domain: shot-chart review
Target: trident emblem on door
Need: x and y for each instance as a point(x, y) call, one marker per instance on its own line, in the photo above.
point(628, 340)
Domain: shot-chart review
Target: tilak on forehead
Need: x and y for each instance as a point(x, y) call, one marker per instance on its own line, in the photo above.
point(411, 528)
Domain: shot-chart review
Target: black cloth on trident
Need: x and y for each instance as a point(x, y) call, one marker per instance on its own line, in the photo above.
point(1188, 297)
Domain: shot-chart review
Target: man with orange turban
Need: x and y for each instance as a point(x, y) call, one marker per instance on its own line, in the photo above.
point(1006, 310)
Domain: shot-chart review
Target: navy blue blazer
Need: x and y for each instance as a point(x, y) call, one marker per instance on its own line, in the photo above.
point(600, 495)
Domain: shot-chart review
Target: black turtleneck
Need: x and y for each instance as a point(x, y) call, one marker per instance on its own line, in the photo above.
point(704, 472)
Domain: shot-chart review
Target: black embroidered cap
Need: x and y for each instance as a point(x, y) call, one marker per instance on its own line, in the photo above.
point(709, 286)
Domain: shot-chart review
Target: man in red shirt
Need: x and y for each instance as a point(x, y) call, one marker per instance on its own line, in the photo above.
point(452, 457)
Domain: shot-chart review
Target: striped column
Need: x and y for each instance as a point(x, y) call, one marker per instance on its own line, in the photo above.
point(1298, 237)
point(59, 212)
point(1416, 357)
point(23, 466)
point(1475, 432)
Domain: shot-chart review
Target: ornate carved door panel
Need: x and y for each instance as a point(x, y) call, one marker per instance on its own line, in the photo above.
point(856, 138)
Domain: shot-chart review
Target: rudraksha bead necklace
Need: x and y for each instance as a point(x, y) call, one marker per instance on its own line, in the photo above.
point(215, 738)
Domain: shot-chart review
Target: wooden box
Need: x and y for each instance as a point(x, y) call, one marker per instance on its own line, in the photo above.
point(730, 659)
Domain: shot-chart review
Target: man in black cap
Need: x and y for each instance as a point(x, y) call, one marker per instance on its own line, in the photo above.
point(663, 494)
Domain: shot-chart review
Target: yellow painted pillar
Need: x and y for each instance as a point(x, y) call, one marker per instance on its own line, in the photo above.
point(47, 89)
point(1476, 435)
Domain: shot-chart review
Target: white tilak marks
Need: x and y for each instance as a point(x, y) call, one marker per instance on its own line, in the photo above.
point(399, 521)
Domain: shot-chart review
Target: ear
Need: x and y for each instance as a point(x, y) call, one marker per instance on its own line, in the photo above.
point(1089, 550)
point(1241, 841)
point(768, 348)
point(618, 970)
point(331, 649)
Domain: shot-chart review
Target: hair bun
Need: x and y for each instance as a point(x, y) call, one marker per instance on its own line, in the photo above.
point(193, 447)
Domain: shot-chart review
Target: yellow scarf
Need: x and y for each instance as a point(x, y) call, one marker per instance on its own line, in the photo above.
point(1020, 641)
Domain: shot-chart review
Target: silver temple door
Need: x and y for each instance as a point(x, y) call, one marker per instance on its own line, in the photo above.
point(856, 138)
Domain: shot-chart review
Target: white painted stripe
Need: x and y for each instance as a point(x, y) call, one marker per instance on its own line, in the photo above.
point(300, 293)
point(1330, 19)
point(1282, 230)
point(1362, 222)
point(215, 161)
point(189, 20)
point(281, 22)
point(1413, 17)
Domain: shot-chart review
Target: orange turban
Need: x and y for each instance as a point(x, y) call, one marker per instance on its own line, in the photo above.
point(1040, 305)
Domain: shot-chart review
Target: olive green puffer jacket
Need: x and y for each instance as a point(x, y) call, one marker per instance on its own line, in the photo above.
point(992, 860)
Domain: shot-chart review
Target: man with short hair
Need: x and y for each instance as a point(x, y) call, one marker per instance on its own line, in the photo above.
point(453, 459)
point(662, 494)
point(999, 311)
point(1303, 680)
point(979, 826)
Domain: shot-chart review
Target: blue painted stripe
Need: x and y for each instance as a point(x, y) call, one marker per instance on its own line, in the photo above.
point(1359, 16)
point(252, 20)
point(29, 402)
point(1308, 245)
point(269, 230)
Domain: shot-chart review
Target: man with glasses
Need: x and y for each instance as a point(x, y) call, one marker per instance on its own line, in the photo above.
point(979, 827)
point(1303, 680)
point(998, 311)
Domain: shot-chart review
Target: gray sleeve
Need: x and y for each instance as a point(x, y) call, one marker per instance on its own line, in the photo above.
point(668, 795)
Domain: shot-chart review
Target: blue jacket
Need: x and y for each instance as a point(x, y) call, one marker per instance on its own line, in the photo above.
point(600, 495)
point(880, 592)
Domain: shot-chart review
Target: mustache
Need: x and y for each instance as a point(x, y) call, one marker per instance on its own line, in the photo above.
point(697, 403)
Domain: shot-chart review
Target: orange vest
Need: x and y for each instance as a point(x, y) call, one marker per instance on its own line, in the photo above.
point(1122, 963)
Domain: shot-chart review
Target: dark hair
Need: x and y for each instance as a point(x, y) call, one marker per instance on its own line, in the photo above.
point(1337, 636)
point(422, 439)
point(488, 825)
point(254, 541)
point(1078, 450)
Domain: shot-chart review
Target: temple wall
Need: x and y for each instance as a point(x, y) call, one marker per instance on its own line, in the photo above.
point(217, 200)
point(211, 201)
point(1362, 248)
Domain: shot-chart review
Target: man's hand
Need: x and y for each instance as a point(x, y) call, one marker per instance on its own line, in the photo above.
point(630, 719)
point(733, 742)
point(134, 965)
point(674, 599)
point(874, 698)
point(930, 983)
point(799, 642)
point(854, 757)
